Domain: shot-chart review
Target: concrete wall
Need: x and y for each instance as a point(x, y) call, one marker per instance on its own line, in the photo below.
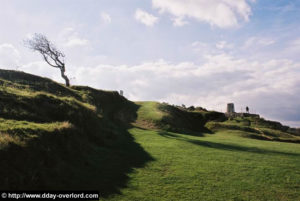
point(230, 108)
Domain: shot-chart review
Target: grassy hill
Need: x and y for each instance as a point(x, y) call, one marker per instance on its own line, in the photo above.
point(58, 138)
point(53, 137)
point(154, 115)
point(256, 127)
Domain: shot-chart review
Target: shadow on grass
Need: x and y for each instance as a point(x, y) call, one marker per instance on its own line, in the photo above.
point(175, 136)
point(95, 153)
point(69, 160)
point(98, 156)
point(182, 121)
point(222, 146)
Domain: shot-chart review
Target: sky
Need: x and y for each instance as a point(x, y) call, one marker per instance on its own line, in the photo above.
point(191, 52)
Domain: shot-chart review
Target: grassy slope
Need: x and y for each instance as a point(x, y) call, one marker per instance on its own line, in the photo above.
point(256, 128)
point(222, 166)
point(53, 137)
point(154, 115)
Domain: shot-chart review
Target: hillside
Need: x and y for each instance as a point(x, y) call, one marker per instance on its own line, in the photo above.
point(154, 115)
point(57, 138)
point(56, 133)
point(258, 128)
point(53, 137)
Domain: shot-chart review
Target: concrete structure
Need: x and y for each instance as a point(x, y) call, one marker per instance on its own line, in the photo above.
point(121, 93)
point(230, 108)
point(231, 112)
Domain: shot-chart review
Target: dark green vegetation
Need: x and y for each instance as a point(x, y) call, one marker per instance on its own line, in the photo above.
point(58, 138)
point(53, 137)
point(153, 115)
point(258, 128)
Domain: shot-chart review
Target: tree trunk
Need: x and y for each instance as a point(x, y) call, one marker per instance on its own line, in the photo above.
point(65, 77)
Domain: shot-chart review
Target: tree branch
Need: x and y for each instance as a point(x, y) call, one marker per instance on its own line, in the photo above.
point(46, 59)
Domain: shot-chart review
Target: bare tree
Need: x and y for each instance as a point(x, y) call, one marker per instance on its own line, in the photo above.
point(50, 54)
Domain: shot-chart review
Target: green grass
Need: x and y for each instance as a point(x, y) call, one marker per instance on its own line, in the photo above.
point(150, 111)
point(20, 132)
point(256, 128)
point(154, 115)
point(149, 115)
point(221, 166)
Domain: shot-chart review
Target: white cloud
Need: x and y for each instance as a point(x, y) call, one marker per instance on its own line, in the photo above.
point(179, 21)
point(145, 18)
point(72, 38)
point(41, 68)
point(224, 45)
point(75, 41)
point(294, 45)
point(203, 49)
point(296, 42)
point(258, 42)
point(9, 56)
point(290, 48)
point(105, 18)
point(220, 13)
point(219, 80)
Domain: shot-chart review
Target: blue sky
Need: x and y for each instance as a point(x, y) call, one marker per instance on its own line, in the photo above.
point(192, 52)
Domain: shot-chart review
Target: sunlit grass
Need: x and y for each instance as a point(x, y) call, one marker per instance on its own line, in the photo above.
point(222, 166)
point(149, 111)
point(20, 132)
